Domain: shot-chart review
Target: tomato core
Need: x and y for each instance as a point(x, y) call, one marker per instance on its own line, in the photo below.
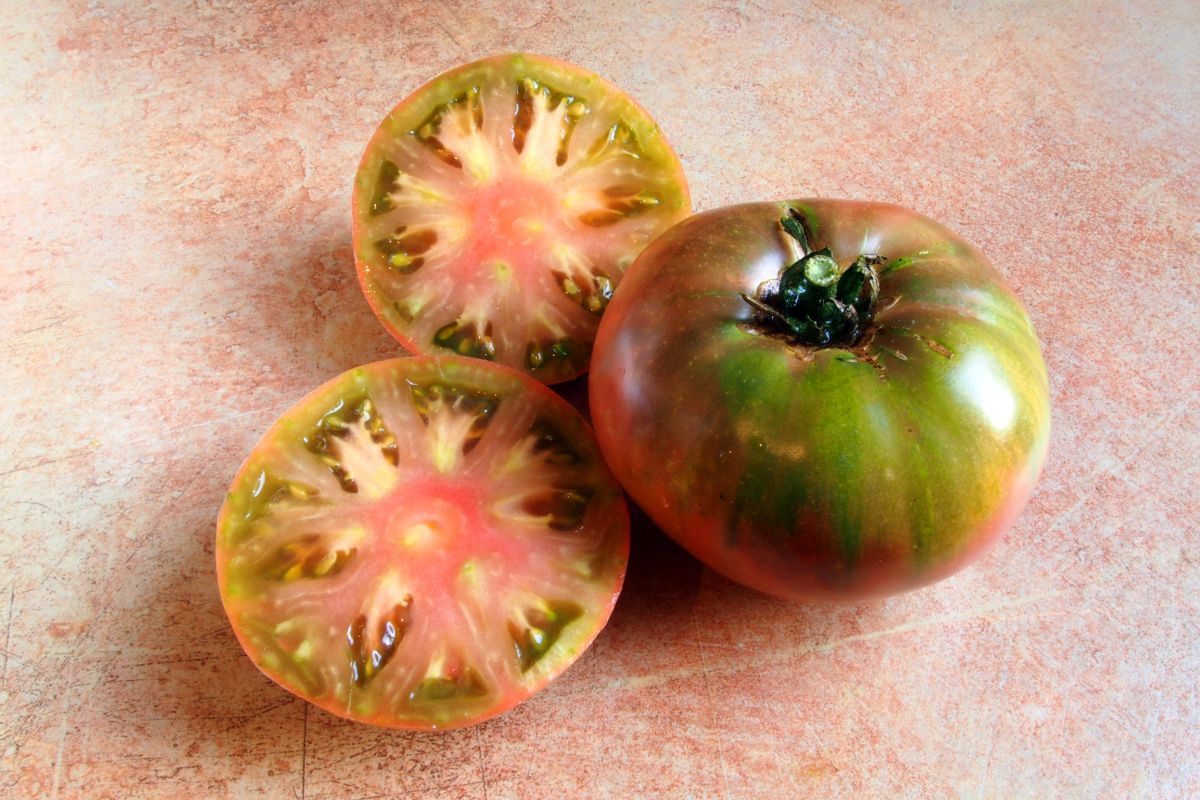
point(508, 217)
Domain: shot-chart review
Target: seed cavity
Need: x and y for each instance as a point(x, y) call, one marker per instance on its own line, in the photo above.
point(619, 140)
point(433, 400)
point(335, 424)
point(403, 251)
point(386, 184)
point(593, 296)
point(542, 354)
point(525, 112)
point(466, 339)
point(380, 435)
point(457, 684)
point(371, 649)
point(536, 629)
point(559, 508)
point(592, 567)
point(318, 443)
point(620, 202)
point(306, 557)
point(427, 132)
point(403, 311)
point(550, 444)
point(270, 489)
point(576, 110)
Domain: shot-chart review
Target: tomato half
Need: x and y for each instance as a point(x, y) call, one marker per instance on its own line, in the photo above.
point(874, 443)
point(422, 543)
point(498, 206)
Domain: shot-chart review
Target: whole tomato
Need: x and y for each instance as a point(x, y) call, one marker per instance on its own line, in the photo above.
point(821, 399)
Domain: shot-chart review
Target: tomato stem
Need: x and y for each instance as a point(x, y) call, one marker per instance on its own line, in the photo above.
point(813, 301)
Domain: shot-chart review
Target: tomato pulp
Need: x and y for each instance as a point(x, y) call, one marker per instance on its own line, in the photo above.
point(422, 543)
point(868, 465)
point(497, 208)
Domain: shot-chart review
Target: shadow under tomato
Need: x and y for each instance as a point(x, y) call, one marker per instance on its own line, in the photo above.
point(662, 586)
point(657, 565)
point(672, 601)
point(575, 392)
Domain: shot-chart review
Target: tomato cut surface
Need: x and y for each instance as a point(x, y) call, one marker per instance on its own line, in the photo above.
point(422, 543)
point(498, 206)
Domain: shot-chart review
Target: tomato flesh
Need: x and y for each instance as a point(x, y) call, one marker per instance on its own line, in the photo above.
point(422, 543)
point(497, 208)
point(822, 473)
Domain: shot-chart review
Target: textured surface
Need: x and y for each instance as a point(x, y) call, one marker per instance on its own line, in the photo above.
point(174, 219)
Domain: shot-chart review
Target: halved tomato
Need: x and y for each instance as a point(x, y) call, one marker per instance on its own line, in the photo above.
point(497, 207)
point(422, 543)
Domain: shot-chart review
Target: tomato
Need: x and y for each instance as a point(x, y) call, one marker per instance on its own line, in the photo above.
point(498, 206)
point(422, 543)
point(821, 399)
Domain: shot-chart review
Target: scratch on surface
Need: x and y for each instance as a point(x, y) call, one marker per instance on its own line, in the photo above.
point(52, 323)
point(422, 792)
point(369, 750)
point(274, 410)
point(304, 757)
point(447, 29)
point(740, 659)
point(711, 706)
point(991, 745)
point(12, 596)
point(165, 661)
point(1092, 480)
point(938, 619)
point(1155, 186)
point(161, 773)
point(58, 756)
point(239, 720)
point(482, 765)
point(152, 529)
point(44, 463)
point(39, 505)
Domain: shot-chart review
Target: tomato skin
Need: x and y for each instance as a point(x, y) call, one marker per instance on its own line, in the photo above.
point(821, 474)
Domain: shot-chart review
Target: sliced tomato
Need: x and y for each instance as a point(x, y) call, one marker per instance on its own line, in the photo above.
point(422, 543)
point(497, 207)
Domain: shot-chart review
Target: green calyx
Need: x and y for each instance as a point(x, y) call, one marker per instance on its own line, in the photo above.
point(814, 302)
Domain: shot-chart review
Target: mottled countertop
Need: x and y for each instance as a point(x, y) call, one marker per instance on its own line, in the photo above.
point(174, 228)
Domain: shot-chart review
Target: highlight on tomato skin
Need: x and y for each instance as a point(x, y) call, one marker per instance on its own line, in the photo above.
point(824, 400)
point(497, 207)
point(422, 543)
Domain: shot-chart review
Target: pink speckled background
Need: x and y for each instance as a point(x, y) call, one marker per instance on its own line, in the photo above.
point(174, 228)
